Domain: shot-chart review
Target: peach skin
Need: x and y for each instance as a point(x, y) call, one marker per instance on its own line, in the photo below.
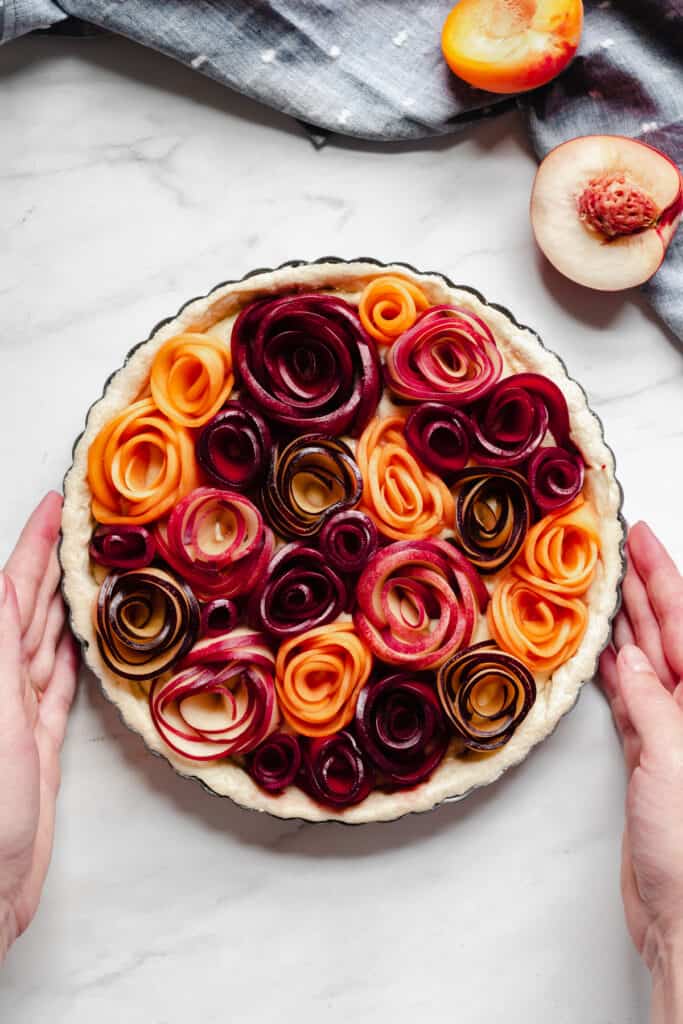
point(509, 46)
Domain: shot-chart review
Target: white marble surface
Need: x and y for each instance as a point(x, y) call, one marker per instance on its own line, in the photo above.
point(128, 184)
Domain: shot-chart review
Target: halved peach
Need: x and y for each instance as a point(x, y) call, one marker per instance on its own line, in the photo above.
point(604, 209)
point(509, 46)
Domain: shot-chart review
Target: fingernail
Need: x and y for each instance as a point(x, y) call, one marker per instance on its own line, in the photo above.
point(634, 659)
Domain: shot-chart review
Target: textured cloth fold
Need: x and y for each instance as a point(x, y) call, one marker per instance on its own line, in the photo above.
point(373, 69)
point(17, 17)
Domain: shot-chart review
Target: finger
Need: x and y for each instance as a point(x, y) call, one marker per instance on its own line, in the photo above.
point(678, 695)
point(629, 737)
point(646, 630)
point(13, 722)
point(56, 704)
point(34, 634)
point(623, 632)
point(632, 748)
point(651, 710)
point(636, 914)
point(43, 661)
point(28, 563)
point(665, 590)
point(32, 886)
point(608, 672)
point(49, 736)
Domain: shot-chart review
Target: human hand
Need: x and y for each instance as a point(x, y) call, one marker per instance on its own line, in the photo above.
point(38, 669)
point(641, 674)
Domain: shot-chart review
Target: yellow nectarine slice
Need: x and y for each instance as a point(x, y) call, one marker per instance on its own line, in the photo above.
point(509, 46)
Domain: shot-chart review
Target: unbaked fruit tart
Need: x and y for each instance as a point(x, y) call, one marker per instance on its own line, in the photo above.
point(342, 540)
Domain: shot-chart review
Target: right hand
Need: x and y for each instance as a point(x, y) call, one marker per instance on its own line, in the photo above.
point(641, 674)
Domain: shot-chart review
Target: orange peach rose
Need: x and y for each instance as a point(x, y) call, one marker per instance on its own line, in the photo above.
point(390, 305)
point(405, 501)
point(191, 378)
point(543, 630)
point(140, 465)
point(560, 553)
point(318, 676)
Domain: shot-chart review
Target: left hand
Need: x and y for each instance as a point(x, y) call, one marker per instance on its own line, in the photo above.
point(38, 670)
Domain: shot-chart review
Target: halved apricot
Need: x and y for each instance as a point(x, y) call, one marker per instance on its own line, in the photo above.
point(509, 46)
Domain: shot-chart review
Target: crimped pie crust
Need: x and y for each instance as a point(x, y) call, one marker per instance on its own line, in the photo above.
point(522, 351)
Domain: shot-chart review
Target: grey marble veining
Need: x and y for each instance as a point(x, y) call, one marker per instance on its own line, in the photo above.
point(127, 185)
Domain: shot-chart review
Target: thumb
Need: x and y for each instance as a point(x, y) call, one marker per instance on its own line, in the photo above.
point(652, 710)
point(678, 695)
point(11, 677)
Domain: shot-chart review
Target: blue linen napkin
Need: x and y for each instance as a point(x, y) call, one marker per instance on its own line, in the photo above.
point(373, 69)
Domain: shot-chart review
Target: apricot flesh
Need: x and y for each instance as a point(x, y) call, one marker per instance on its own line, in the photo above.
point(510, 46)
